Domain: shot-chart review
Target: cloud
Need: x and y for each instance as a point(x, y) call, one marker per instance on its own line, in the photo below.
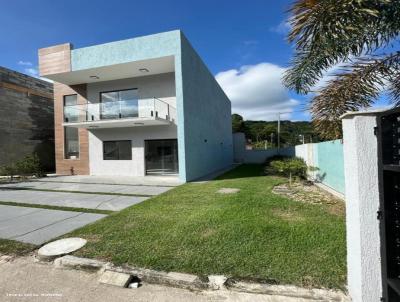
point(257, 92)
point(25, 63)
point(32, 72)
point(282, 28)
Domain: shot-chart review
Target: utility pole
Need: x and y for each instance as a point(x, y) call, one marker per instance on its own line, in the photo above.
point(279, 130)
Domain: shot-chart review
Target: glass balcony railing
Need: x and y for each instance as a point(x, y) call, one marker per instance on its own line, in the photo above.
point(151, 108)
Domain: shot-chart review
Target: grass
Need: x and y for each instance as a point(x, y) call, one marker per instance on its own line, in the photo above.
point(49, 207)
point(253, 234)
point(15, 248)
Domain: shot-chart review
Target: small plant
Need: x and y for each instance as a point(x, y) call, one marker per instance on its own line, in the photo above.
point(290, 167)
point(29, 165)
point(8, 170)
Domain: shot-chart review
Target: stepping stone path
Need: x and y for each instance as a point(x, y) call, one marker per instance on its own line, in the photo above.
point(60, 247)
point(228, 190)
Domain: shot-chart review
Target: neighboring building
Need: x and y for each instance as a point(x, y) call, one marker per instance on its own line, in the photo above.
point(26, 118)
point(142, 106)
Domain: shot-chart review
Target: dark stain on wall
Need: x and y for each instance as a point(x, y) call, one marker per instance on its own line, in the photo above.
point(26, 118)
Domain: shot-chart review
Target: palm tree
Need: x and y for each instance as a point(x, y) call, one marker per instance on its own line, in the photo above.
point(362, 35)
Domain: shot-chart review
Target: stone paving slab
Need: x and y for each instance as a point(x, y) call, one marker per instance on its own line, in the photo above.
point(92, 188)
point(64, 199)
point(148, 180)
point(60, 228)
point(9, 213)
point(41, 225)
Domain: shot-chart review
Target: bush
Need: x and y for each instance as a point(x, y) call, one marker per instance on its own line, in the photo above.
point(290, 167)
point(29, 165)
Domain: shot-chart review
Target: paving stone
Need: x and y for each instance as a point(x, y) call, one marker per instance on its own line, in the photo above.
point(179, 280)
point(19, 226)
point(66, 199)
point(286, 290)
point(228, 190)
point(91, 188)
point(60, 247)
point(115, 278)
point(60, 228)
point(69, 261)
point(37, 226)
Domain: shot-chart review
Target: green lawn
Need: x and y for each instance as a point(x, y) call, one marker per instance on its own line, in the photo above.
point(253, 234)
point(15, 248)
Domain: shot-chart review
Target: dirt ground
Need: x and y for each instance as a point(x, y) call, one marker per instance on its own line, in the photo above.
point(23, 279)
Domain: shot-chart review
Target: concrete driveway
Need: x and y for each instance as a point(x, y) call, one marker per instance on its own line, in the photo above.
point(37, 226)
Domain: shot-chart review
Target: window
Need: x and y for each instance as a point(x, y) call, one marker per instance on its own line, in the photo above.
point(117, 150)
point(119, 104)
point(71, 112)
point(71, 143)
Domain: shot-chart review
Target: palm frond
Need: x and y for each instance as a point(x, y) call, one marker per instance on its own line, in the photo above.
point(327, 32)
point(352, 90)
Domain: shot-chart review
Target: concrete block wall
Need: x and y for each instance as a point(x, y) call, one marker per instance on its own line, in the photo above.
point(328, 158)
point(362, 204)
point(26, 118)
point(257, 156)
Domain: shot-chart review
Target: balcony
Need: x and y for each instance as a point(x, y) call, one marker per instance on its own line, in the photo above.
point(125, 113)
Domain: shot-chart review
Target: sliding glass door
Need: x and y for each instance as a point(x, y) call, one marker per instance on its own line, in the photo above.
point(161, 157)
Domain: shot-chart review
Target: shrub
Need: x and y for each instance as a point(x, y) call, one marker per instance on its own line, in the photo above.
point(8, 170)
point(29, 165)
point(290, 167)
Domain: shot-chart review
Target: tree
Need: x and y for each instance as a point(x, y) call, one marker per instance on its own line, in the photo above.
point(237, 123)
point(359, 34)
point(290, 167)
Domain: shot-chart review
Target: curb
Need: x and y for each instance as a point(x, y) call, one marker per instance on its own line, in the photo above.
point(194, 282)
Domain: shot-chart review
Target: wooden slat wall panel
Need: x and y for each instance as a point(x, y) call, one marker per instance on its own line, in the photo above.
point(55, 59)
point(63, 166)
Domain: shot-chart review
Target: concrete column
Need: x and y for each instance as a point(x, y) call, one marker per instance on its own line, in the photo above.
point(362, 204)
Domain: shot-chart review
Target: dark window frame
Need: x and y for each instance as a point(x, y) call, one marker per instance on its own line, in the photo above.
point(64, 96)
point(159, 139)
point(65, 145)
point(118, 90)
point(116, 141)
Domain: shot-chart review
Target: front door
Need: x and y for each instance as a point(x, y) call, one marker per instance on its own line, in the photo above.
point(161, 157)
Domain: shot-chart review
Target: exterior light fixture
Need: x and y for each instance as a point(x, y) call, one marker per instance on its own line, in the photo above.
point(143, 70)
point(95, 77)
point(139, 124)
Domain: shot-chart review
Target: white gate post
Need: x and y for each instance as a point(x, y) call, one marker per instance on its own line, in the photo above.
point(362, 204)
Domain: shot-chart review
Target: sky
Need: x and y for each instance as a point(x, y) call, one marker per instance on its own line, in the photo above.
point(243, 43)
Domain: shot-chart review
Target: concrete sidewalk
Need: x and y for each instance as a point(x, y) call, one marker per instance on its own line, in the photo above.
point(92, 188)
point(75, 200)
point(36, 226)
point(23, 280)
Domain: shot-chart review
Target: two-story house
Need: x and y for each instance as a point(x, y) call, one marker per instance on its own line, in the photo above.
point(142, 106)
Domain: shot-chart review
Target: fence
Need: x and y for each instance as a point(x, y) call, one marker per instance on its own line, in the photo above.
point(242, 155)
point(328, 158)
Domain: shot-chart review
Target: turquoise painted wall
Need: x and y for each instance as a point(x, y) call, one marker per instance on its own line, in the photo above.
point(328, 157)
point(207, 117)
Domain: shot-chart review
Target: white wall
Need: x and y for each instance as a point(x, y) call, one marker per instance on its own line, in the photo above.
point(134, 167)
point(305, 151)
point(362, 204)
point(161, 86)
